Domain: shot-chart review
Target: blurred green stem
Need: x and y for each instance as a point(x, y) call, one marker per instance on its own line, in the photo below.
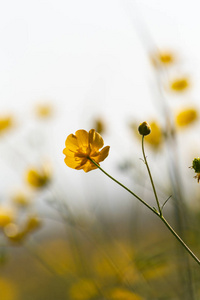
point(153, 210)
point(152, 183)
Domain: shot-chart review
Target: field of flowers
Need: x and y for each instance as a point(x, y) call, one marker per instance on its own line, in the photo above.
point(99, 218)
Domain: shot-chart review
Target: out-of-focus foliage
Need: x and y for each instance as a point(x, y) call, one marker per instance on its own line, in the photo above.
point(110, 249)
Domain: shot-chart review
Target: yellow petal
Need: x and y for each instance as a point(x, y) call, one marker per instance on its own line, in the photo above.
point(89, 166)
point(102, 154)
point(82, 138)
point(71, 142)
point(68, 152)
point(95, 140)
point(72, 162)
point(186, 117)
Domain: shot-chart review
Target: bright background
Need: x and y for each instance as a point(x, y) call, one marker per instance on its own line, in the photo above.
point(90, 58)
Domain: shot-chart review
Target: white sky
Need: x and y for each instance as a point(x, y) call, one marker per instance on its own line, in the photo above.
point(90, 58)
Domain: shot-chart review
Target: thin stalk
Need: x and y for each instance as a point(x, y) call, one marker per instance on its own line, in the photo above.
point(132, 193)
point(153, 210)
point(180, 240)
point(152, 183)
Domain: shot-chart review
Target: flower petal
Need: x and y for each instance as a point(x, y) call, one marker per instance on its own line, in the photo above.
point(68, 152)
point(89, 166)
point(71, 143)
point(82, 138)
point(95, 140)
point(100, 156)
point(73, 162)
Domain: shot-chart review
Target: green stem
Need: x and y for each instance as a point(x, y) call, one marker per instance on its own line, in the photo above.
point(152, 183)
point(153, 210)
point(132, 193)
point(180, 240)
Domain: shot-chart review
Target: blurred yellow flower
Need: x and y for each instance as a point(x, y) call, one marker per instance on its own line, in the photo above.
point(13, 233)
point(32, 223)
point(164, 58)
point(5, 123)
point(180, 84)
point(122, 294)
point(82, 146)
point(84, 289)
point(8, 290)
point(99, 125)
point(20, 199)
point(60, 256)
point(43, 110)
point(186, 117)
point(6, 216)
point(154, 139)
point(38, 178)
point(17, 234)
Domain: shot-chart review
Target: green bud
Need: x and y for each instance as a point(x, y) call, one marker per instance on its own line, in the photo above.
point(144, 128)
point(196, 164)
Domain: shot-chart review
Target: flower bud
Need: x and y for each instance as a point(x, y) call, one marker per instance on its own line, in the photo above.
point(196, 164)
point(144, 128)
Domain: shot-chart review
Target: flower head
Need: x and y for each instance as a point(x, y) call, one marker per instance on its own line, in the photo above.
point(6, 216)
point(99, 125)
point(20, 199)
point(38, 178)
point(155, 139)
point(196, 167)
point(180, 84)
point(166, 57)
point(13, 233)
point(83, 146)
point(5, 123)
point(32, 223)
point(162, 58)
point(44, 110)
point(186, 117)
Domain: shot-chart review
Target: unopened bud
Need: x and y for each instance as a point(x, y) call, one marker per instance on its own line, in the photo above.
point(196, 164)
point(144, 128)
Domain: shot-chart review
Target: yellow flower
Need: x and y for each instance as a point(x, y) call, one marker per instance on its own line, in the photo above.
point(83, 289)
point(17, 234)
point(5, 123)
point(179, 85)
point(164, 58)
point(8, 290)
point(82, 146)
point(13, 233)
point(6, 216)
point(186, 117)
point(156, 137)
point(21, 199)
point(32, 223)
point(43, 110)
point(99, 125)
point(38, 178)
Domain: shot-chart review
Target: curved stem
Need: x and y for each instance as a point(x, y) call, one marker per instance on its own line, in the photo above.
point(132, 193)
point(159, 214)
point(152, 183)
point(180, 240)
